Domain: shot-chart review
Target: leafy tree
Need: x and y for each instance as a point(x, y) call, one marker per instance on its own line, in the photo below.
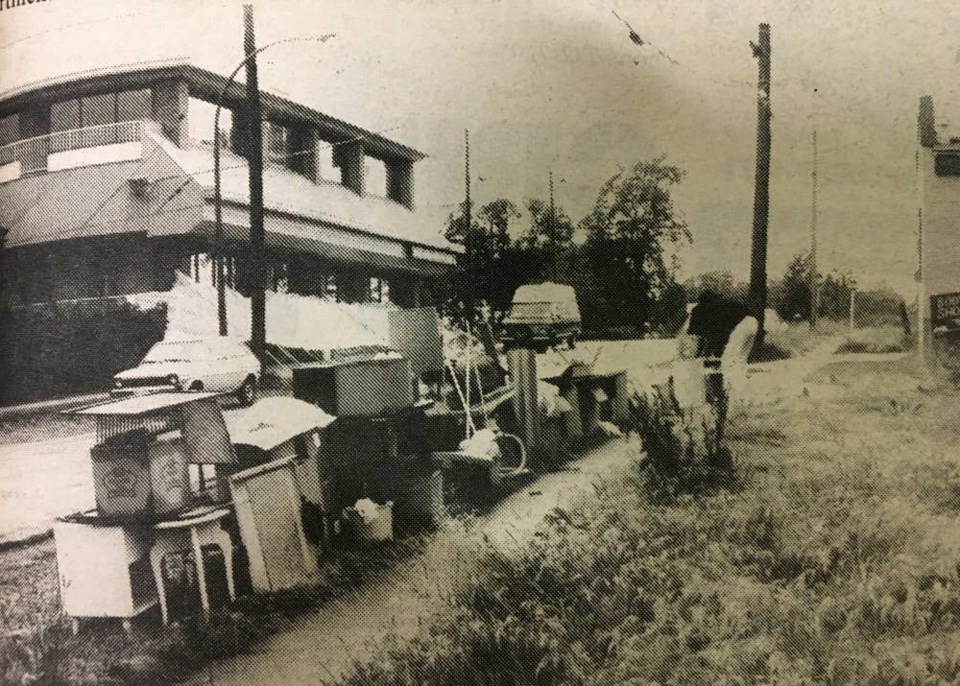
point(628, 229)
point(490, 268)
point(835, 295)
point(548, 226)
point(792, 294)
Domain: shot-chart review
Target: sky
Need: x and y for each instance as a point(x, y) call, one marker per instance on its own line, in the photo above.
point(559, 86)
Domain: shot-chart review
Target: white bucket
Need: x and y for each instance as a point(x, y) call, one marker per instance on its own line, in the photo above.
point(372, 529)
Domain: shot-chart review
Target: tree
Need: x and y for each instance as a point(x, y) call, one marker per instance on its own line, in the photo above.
point(835, 296)
point(489, 269)
point(631, 224)
point(792, 294)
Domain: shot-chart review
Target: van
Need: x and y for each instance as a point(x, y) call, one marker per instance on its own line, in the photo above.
point(542, 315)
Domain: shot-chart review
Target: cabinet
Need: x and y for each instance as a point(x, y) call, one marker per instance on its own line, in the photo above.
point(104, 570)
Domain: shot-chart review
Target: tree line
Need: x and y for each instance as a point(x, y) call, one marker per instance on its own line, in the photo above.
point(623, 270)
point(791, 297)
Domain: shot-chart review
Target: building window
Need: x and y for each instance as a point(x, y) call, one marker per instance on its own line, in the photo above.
point(330, 288)
point(98, 109)
point(134, 105)
point(379, 290)
point(95, 110)
point(201, 269)
point(202, 115)
point(375, 176)
point(281, 281)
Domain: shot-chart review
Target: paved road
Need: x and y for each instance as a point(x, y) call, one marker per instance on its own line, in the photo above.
point(322, 647)
point(43, 480)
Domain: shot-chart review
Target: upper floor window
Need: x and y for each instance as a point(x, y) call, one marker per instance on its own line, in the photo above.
point(375, 173)
point(277, 140)
point(105, 108)
point(201, 120)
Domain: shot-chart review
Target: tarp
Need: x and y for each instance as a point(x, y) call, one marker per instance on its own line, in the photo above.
point(273, 421)
point(293, 321)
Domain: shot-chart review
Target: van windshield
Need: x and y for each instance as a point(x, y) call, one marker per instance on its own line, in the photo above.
point(531, 312)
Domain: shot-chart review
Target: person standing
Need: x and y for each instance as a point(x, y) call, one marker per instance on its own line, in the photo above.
point(712, 321)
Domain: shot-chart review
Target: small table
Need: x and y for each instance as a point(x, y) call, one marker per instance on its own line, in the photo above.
point(192, 530)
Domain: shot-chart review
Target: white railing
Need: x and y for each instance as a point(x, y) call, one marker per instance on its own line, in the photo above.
point(32, 152)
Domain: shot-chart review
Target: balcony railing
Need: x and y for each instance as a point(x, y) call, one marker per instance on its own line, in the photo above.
point(32, 152)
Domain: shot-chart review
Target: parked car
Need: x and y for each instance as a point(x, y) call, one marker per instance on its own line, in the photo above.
point(542, 315)
point(219, 365)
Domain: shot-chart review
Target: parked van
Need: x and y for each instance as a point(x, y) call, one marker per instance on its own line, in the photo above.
point(542, 315)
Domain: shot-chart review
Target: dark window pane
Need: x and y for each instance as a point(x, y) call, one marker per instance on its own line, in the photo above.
point(9, 129)
point(99, 109)
point(133, 105)
point(65, 116)
point(947, 164)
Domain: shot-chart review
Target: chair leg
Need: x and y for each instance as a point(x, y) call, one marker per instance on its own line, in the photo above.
point(156, 561)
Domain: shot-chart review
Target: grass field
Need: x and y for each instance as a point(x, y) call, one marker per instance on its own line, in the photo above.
point(833, 559)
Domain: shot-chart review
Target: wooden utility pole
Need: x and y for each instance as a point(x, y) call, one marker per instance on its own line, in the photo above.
point(552, 236)
point(814, 277)
point(853, 307)
point(258, 304)
point(761, 192)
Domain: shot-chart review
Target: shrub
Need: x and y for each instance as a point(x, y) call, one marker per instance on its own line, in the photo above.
point(683, 454)
point(64, 348)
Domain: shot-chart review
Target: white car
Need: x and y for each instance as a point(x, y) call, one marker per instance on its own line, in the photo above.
point(217, 365)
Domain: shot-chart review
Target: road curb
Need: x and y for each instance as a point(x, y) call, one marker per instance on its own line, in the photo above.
point(30, 539)
point(26, 409)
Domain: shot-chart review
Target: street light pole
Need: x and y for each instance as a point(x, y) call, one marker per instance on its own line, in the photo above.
point(217, 197)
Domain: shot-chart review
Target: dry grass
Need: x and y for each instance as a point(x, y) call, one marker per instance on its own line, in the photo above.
point(834, 559)
point(36, 645)
point(878, 339)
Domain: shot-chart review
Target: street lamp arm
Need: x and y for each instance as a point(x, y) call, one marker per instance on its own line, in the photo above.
point(217, 200)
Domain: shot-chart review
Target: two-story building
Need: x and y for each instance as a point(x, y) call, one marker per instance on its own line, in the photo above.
point(938, 182)
point(107, 188)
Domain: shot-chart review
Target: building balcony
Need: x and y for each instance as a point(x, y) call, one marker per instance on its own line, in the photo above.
point(119, 142)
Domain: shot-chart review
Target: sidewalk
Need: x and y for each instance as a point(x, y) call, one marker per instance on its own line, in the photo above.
point(323, 646)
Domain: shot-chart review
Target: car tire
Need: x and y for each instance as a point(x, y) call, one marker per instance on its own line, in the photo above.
point(196, 386)
point(247, 393)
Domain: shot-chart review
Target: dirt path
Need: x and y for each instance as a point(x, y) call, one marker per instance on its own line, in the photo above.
point(321, 647)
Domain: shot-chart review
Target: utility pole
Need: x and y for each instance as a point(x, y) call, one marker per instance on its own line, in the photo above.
point(258, 311)
point(468, 230)
point(552, 232)
point(853, 307)
point(466, 179)
point(761, 193)
point(552, 206)
point(814, 277)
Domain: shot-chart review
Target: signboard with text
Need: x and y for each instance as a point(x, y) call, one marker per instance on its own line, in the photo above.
point(945, 310)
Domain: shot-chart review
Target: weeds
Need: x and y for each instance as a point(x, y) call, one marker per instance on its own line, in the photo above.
point(830, 569)
point(682, 452)
point(102, 654)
